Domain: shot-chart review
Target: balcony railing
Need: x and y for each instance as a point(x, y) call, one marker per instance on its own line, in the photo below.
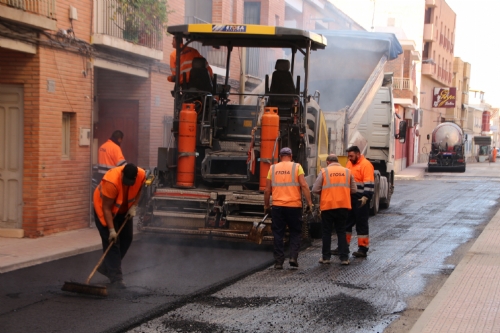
point(402, 83)
point(110, 22)
point(45, 8)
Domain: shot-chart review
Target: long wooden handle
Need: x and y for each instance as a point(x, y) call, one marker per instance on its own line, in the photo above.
point(107, 250)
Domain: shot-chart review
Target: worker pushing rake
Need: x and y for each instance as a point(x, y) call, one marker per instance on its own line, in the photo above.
point(115, 204)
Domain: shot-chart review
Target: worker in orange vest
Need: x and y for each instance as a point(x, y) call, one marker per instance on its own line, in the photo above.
point(187, 56)
point(363, 173)
point(110, 154)
point(115, 203)
point(335, 184)
point(285, 181)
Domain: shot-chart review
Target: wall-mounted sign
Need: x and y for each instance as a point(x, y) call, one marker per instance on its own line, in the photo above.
point(444, 97)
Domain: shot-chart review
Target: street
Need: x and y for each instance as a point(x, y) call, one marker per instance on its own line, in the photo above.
point(412, 246)
point(204, 287)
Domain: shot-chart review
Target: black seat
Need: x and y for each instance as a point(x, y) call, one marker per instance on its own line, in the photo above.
point(282, 83)
point(199, 77)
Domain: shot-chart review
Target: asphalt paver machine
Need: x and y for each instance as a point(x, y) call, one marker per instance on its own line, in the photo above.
point(210, 178)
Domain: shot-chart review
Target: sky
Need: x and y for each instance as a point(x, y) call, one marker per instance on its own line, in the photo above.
point(476, 33)
point(477, 44)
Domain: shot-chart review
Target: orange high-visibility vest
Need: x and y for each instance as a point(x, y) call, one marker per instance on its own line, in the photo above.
point(336, 189)
point(187, 56)
point(285, 184)
point(115, 176)
point(110, 156)
point(363, 173)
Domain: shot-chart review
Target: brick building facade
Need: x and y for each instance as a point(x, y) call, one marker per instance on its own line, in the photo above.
point(70, 77)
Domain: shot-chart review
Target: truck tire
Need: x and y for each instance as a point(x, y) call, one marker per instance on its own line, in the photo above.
point(385, 202)
point(374, 208)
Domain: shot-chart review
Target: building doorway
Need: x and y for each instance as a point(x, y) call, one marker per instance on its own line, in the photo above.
point(120, 115)
point(11, 156)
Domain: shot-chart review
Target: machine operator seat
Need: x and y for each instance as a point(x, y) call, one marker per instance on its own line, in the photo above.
point(282, 83)
point(199, 77)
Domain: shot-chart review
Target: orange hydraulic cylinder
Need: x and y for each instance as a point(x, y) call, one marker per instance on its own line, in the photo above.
point(186, 160)
point(269, 133)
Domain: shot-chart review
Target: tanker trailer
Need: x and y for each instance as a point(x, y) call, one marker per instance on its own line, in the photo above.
point(447, 152)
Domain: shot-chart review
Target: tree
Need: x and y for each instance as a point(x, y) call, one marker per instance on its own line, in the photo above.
point(148, 17)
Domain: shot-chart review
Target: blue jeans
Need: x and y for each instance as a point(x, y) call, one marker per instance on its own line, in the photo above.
point(283, 217)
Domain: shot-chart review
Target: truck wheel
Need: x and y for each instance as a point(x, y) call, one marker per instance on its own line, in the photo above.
point(384, 203)
point(375, 199)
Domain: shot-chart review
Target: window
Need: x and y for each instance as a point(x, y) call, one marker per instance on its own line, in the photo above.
point(428, 15)
point(425, 53)
point(198, 11)
point(66, 134)
point(252, 13)
point(276, 20)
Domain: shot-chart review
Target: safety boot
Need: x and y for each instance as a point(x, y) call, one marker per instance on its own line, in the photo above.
point(278, 266)
point(361, 252)
point(293, 263)
point(324, 261)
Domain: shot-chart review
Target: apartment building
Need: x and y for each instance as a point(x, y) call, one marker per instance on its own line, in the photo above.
point(74, 71)
point(437, 69)
point(405, 92)
point(481, 118)
point(460, 113)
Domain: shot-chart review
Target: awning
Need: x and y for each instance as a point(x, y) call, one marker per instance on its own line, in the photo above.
point(482, 140)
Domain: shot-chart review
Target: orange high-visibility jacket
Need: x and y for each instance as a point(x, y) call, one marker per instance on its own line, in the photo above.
point(110, 156)
point(187, 56)
point(336, 188)
point(285, 184)
point(114, 176)
point(363, 173)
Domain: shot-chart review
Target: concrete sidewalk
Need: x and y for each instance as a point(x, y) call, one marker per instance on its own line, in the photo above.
point(413, 172)
point(469, 301)
point(16, 253)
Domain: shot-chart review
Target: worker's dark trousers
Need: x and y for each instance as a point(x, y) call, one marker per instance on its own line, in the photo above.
point(335, 218)
point(283, 217)
point(358, 216)
point(113, 261)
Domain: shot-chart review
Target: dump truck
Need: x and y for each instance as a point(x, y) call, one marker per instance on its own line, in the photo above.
point(210, 178)
point(357, 101)
point(448, 149)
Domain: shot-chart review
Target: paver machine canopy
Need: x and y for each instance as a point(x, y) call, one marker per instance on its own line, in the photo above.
point(211, 176)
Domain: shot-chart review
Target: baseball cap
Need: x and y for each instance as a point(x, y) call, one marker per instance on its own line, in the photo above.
point(285, 151)
point(129, 174)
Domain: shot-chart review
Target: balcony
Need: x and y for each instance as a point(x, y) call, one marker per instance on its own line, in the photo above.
point(39, 14)
point(113, 31)
point(430, 3)
point(428, 69)
point(403, 83)
point(429, 34)
point(404, 90)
